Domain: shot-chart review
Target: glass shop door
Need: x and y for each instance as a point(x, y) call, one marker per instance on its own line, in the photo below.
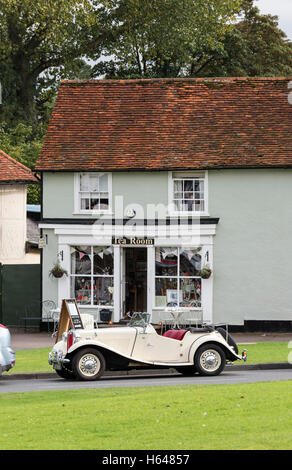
point(133, 280)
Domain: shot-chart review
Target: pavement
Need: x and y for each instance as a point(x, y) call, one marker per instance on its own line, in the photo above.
point(20, 340)
point(28, 340)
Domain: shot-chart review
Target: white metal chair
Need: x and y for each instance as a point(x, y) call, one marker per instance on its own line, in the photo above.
point(192, 318)
point(48, 307)
point(166, 320)
point(87, 321)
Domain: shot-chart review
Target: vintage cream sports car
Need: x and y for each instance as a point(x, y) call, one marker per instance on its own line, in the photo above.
point(85, 354)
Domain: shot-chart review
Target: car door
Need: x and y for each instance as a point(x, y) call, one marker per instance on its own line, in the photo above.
point(151, 347)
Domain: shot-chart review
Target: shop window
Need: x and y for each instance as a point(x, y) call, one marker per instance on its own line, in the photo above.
point(188, 193)
point(94, 192)
point(92, 275)
point(177, 277)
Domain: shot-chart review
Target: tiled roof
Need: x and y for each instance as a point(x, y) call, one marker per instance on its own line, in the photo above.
point(169, 124)
point(12, 171)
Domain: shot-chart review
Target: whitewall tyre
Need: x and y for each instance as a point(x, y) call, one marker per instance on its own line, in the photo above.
point(88, 364)
point(210, 359)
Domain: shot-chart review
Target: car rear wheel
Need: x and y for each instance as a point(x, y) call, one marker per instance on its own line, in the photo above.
point(210, 359)
point(88, 364)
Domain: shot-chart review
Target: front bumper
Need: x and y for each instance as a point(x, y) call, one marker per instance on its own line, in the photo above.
point(57, 360)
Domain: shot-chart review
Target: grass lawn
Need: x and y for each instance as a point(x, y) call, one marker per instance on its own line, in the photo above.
point(36, 360)
point(245, 416)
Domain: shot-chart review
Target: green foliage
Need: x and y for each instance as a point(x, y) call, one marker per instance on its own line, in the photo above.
point(36, 37)
point(254, 47)
point(23, 142)
point(162, 38)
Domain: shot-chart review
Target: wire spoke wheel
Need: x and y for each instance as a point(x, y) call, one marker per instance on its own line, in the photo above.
point(88, 364)
point(210, 360)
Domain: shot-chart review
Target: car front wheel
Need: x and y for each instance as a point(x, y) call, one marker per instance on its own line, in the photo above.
point(210, 359)
point(88, 364)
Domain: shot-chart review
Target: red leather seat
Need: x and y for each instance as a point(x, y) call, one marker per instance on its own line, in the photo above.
point(175, 334)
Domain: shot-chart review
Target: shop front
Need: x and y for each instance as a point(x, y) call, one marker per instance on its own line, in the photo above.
point(113, 272)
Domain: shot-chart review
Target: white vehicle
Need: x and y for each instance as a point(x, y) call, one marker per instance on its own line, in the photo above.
point(7, 355)
point(86, 353)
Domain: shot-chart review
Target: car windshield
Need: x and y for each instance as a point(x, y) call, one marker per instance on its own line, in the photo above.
point(140, 319)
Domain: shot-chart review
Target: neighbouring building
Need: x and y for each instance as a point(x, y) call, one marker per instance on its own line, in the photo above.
point(19, 262)
point(145, 183)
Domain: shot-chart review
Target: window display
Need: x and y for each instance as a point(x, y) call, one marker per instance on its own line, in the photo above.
point(92, 270)
point(177, 277)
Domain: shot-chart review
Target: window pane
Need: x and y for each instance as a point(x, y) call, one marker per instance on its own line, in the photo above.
point(93, 183)
point(199, 185)
point(94, 203)
point(188, 195)
point(84, 182)
point(165, 292)
point(199, 205)
point(188, 185)
point(166, 261)
point(85, 203)
point(104, 204)
point(81, 290)
point(103, 291)
point(178, 185)
point(103, 182)
point(81, 260)
point(188, 205)
point(178, 206)
point(191, 292)
point(103, 260)
point(190, 262)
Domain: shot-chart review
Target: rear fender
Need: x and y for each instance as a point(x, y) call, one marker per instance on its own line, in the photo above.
point(213, 338)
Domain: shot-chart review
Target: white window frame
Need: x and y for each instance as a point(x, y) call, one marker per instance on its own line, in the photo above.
point(172, 212)
point(77, 205)
point(178, 278)
point(91, 278)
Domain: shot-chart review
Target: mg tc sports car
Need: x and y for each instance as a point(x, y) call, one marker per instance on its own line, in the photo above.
point(85, 354)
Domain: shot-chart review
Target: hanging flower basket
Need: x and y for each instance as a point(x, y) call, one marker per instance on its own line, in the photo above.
point(57, 271)
point(206, 272)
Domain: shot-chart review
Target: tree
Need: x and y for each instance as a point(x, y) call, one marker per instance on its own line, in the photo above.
point(38, 37)
point(23, 142)
point(162, 38)
point(256, 46)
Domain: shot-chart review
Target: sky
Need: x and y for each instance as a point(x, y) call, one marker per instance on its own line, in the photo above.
point(281, 8)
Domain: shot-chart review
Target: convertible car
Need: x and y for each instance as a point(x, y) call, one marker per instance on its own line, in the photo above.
point(85, 354)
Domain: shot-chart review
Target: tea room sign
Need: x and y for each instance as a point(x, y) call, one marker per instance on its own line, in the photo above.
point(133, 241)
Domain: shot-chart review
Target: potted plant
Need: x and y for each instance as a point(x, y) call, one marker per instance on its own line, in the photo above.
point(57, 271)
point(205, 272)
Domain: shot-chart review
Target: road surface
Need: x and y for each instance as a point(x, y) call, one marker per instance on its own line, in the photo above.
point(227, 377)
